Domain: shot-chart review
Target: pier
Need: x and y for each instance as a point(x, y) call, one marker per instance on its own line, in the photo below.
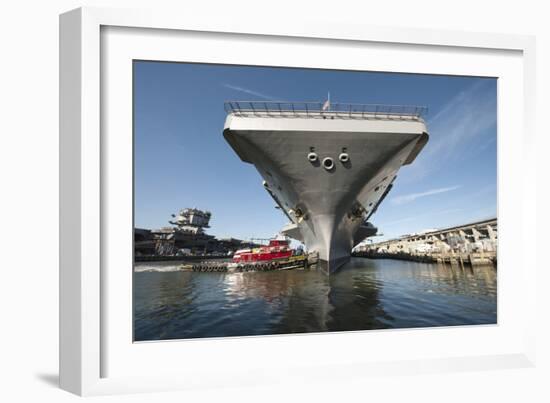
point(469, 244)
point(294, 262)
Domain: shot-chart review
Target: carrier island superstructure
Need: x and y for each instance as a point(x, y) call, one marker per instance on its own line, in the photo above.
point(327, 167)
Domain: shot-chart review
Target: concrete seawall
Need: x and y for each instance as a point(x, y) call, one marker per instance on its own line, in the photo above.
point(471, 244)
point(472, 259)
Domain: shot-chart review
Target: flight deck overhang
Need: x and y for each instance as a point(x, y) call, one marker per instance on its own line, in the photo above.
point(263, 123)
point(240, 125)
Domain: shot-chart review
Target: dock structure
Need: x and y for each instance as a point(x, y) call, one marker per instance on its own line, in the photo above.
point(293, 262)
point(473, 243)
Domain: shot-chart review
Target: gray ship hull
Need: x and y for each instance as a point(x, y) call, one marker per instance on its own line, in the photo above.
point(328, 206)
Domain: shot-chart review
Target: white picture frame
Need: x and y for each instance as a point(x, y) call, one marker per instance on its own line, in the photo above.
point(96, 356)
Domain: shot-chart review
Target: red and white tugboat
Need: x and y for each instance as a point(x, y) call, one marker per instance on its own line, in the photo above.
point(277, 255)
point(275, 250)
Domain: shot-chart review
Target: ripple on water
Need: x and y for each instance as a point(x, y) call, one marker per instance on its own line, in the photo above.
point(365, 294)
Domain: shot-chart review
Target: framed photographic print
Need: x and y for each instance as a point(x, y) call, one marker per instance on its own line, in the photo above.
point(236, 197)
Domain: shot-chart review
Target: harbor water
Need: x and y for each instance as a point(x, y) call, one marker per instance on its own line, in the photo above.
point(365, 294)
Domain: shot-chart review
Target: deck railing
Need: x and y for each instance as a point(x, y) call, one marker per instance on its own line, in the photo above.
point(320, 110)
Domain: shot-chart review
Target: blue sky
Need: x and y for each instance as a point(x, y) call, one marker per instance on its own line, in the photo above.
point(182, 159)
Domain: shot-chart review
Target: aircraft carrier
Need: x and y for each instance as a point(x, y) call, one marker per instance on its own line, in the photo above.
point(327, 166)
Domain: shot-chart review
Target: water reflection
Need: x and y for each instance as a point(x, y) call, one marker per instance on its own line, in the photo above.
point(354, 298)
point(366, 294)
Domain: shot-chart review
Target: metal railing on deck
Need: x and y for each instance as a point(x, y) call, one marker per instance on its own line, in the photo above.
point(321, 110)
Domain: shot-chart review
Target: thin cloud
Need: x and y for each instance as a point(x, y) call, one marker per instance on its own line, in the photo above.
point(464, 119)
point(250, 92)
point(461, 128)
point(413, 196)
